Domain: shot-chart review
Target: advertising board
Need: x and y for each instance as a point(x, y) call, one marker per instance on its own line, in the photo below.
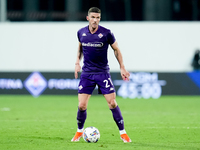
point(141, 85)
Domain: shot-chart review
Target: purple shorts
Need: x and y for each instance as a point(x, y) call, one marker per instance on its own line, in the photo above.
point(88, 83)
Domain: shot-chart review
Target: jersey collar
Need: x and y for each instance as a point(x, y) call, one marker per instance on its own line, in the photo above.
point(87, 29)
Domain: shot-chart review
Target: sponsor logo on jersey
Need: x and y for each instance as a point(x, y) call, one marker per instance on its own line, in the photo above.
point(100, 35)
point(35, 83)
point(84, 34)
point(93, 44)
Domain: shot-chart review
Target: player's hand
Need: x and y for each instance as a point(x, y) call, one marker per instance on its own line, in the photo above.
point(77, 69)
point(125, 74)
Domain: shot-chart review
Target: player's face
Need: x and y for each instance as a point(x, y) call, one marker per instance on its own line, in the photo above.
point(94, 19)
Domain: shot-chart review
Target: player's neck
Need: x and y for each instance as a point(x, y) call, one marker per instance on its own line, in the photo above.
point(93, 30)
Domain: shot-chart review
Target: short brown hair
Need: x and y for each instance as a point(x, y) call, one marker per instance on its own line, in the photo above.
point(94, 10)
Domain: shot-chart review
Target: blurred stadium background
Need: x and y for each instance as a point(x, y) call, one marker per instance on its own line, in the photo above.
point(112, 10)
point(38, 92)
point(158, 40)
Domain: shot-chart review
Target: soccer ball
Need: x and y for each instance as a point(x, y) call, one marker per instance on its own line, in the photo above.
point(91, 134)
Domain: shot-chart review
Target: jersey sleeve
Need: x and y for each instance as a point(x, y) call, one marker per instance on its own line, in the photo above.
point(111, 38)
point(78, 35)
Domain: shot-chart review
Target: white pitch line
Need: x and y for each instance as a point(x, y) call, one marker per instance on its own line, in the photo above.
point(5, 109)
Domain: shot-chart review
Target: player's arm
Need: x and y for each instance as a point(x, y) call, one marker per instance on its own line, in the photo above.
point(124, 73)
point(78, 59)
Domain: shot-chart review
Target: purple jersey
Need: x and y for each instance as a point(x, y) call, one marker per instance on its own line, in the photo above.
point(95, 49)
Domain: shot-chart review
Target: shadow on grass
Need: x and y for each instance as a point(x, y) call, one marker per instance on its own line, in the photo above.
point(43, 138)
point(182, 146)
point(132, 145)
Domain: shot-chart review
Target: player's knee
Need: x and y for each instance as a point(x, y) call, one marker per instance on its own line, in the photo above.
point(82, 106)
point(112, 103)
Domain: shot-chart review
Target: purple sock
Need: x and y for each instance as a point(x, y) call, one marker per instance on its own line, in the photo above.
point(81, 117)
point(117, 116)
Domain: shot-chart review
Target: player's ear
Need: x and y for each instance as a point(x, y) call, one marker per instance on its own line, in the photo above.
point(87, 17)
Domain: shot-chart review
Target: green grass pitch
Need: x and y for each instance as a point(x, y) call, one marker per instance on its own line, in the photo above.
point(49, 123)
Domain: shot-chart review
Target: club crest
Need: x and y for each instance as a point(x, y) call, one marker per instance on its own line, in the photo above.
point(100, 35)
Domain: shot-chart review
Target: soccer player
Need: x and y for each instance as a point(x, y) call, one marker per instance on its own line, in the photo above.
point(93, 46)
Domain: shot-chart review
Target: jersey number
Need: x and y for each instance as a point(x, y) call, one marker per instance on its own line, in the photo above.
point(107, 85)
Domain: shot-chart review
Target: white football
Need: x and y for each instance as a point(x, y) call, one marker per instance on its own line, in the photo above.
point(91, 134)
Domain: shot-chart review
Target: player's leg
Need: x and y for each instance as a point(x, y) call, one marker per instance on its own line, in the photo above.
point(86, 87)
point(117, 116)
point(82, 107)
point(81, 115)
point(107, 88)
